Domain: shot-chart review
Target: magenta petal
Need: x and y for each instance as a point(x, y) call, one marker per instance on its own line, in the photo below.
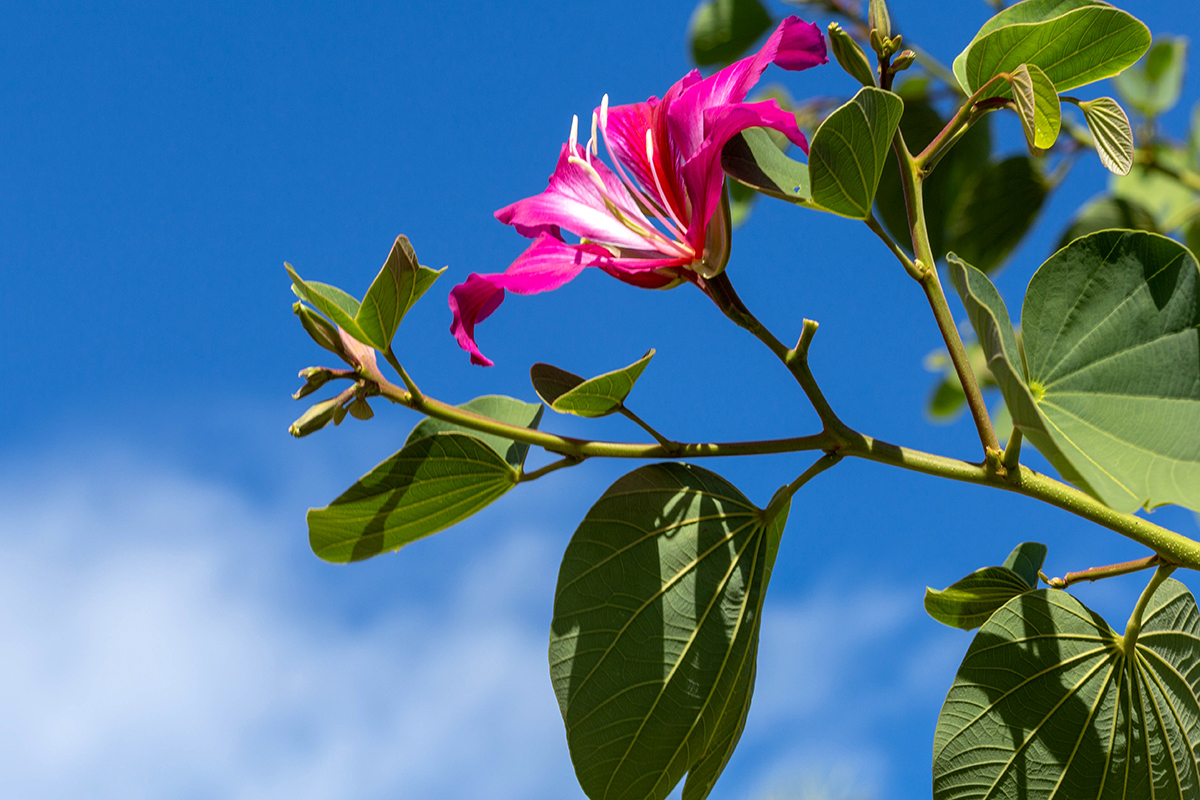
point(573, 201)
point(626, 134)
point(801, 45)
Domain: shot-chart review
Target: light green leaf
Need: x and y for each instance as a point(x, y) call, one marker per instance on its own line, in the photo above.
point(492, 406)
point(1111, 133)
point(1038, 106)
point(1111, 328)
point(1152, 86)
point(1026, 560)
point(995, 210)
point(1047, 704)
point(722, 30)
point(848, 152)
point(1105, 213)
point(655, 631)
point(330, 301)
point(399, 284)
point(1075, 42)
point(605, 394)
point(1164, 196)
point(428, 486)
point(969, 602)
point(753, 159)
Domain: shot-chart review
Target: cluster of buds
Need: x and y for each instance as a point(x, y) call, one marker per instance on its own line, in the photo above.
point(352, 401)
point(852, 58)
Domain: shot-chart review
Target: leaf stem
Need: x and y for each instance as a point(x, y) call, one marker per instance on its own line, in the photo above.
point(417, 397)
point(899, 253)
point(1108, 571)
point(956, 127)
point(664, 441)
point(785, 494)
point(1134, 626)
point(1012, 452)
point(565, 461)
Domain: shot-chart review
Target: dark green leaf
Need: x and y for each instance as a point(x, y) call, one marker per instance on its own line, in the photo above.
point(605, 394)
point(1111, 328)
point(1026, 560)
point(1048, 704)
point(1152, 86)
point(722, 30)
point(399, 284)
point(969, 602)
point(1106, 213)
point(995, 210)
point(655, 632)
point(1111, 133)
point(1076, 42)
point(752, 158)
point(1037, 105)
point(428, 486)
point(848, 152)
point(492, 406)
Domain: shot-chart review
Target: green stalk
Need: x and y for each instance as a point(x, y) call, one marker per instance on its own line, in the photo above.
point(1134, 627)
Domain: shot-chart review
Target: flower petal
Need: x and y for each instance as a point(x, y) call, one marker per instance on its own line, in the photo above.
point(574, 201)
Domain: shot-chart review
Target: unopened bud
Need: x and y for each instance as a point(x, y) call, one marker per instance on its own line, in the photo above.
point(904, 60)
point(878, 18)
point(850, 55)
point(317, 417)
point(314, 378)
point(718, 241)
point(322, 331)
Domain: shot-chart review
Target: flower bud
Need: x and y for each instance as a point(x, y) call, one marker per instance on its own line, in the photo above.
point(314, 378)
point(850, 55)
point(322, 331)
point(904, 60)
point(878, 18)
point(317, 417)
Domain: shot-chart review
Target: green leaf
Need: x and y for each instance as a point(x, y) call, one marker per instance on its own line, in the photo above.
point(968, 603)
point(722, 30)
point(1026, 561)
point(568, 393)
point(995, 211)
point(944, 186)
point(399, 284)
point(1048, 705)
point(1111, 133)
point(848, 152)
point(1075, 42)
point(655, 631)
point(492, 406)
point(428, 486)
point(1164, 196)
point(1038, 106)
point(330, 301)
point(1105, 213)
point(1111, 328)
point(752, 158)
point(1152, 86)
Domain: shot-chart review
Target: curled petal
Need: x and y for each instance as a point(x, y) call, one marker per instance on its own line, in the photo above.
point(573, 201)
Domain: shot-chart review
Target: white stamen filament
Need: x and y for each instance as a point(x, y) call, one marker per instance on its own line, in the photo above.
point(594, 141)
point(659, 241)
point(574, 140)
point(657, 182)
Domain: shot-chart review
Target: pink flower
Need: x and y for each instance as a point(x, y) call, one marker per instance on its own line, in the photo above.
point(667, 155)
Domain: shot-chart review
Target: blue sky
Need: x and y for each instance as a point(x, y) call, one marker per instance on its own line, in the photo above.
point(167, 631)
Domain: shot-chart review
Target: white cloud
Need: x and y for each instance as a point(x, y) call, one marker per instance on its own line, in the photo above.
point(158, 642)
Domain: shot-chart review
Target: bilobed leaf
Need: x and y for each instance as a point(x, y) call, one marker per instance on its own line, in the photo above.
point(1038, 106)
point(1048, 704)
point(400, 283)
point(995, 210)
point(1152, 86)
point(330, 301)
point(752, 158)
point(431, 484)
point(722, 30)
point(492, 406)
point(567, 393)
point(655, 631)
point(1111, 132)
point(1105, 213)
point(848, 152)
point(1075, 42)
point(1026, 560)
point(969, 602)
point(1111, 393)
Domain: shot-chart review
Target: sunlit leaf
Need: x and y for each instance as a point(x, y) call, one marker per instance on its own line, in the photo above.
point(1048, 704)
point(492, 406)
point(431, 484)
point(400, 283)
point(967, 603)
point(655, 631)
point(1038, 106)
point(849, 149)
point(596, 397)
point(330, 301)
point(1111, 133)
